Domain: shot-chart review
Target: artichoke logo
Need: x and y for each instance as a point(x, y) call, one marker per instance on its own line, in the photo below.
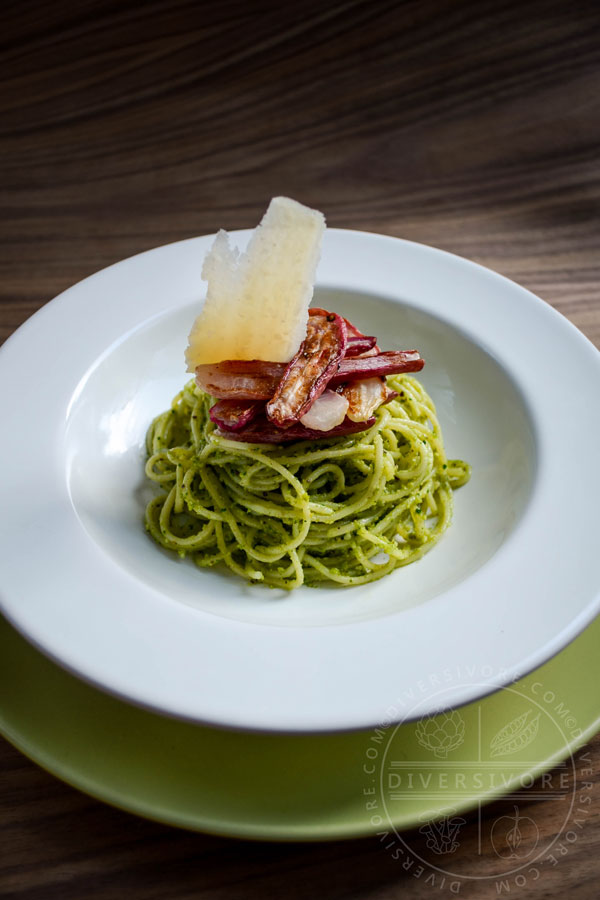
point(441, 734)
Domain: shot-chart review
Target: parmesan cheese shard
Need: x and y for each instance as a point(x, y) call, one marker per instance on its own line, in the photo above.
point(257, 303)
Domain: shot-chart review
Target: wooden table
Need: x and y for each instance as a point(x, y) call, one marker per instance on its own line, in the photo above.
point(471, 126)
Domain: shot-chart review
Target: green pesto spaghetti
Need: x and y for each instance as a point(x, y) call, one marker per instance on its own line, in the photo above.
point(344, 510)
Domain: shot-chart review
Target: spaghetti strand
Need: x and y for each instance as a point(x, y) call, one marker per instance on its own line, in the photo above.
point(345, 510)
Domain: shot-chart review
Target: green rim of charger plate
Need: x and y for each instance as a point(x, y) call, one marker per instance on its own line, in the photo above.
point(286, 787)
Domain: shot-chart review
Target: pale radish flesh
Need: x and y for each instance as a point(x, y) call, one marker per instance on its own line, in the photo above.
point(249, 379)
point(365, 396)
point(327, 411)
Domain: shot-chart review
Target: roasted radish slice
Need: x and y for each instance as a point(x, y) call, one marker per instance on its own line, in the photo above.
point(232, 415)
point(392, 362)
point(311, 369)
point(365, 396)
point(253, 379)
point(245, 379)
point(261, 431)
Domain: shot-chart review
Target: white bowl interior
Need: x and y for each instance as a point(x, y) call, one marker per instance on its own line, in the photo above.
point(484, 419)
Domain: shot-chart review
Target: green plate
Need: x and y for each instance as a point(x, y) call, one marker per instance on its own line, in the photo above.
point(289, 787)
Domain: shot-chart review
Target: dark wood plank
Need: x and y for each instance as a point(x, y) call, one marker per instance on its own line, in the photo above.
point(472, 126)
point(477, 131)
point(57, 843)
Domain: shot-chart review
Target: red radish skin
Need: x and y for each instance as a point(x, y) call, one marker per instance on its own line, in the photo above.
point(353, 331)
point(255, 379)
point(392, 362)
point(262, 431)
point(355, 334)
point(232, 415)
point(360, 345)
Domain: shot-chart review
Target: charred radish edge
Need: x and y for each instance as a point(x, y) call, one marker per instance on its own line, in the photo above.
point(357, 341)
point(262, 431)
point(311, 369)
point(352, 330)
point(232, 415)
point(358, 345)
point(356, 335)
point(255, 379)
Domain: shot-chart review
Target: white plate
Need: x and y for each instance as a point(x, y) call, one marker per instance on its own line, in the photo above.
point(513, 581)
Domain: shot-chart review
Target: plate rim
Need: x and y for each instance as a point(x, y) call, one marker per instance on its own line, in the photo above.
point(276, 832)
point(542, 654)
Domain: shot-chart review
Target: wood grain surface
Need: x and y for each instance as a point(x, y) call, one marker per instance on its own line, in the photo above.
point(472, 126)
